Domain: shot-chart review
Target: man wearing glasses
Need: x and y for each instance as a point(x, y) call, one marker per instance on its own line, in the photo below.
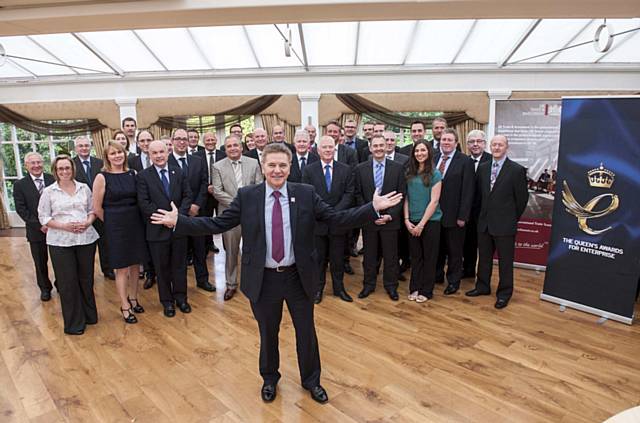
point(476, 143)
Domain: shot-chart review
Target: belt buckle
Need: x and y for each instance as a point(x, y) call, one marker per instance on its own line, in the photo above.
point(280, 269)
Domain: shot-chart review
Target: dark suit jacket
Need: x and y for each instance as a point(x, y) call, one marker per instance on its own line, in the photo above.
point(197, 177)
point(501, 207)
point(341, 195)
point(347, 156)
point(254, 155)
point(401, 158)
point(295, 175)
point(394, 180)
point(26, 198)
point(475, 207)
point(247, 210)
point(406, 150)
point(211, 203)
point(81, 175)
point(199, 148)
point(135, 163)
point(151, 197)
point(366, 154)
point(362, 146)
point(456, 196)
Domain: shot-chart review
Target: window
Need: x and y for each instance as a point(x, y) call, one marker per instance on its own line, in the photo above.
point(16, 143)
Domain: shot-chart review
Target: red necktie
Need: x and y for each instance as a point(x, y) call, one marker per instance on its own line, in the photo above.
point(443, 163)
point(277, 232)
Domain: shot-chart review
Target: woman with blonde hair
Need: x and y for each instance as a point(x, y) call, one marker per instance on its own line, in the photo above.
point(66, 209)
point(115, 203)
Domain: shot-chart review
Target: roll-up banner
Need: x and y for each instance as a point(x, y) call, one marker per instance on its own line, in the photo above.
point(533, 130)
point(594, 256)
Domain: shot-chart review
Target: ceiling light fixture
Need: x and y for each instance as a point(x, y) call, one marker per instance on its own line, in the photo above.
point(603, 39)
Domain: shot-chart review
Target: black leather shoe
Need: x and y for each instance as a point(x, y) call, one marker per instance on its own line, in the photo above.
point(450, 289)
point(475, 293)
point(268, 392)
point(393, 294)
point(501, 304)
point(129, 317)
point(149, 282)
point(318, 297)
point(215, 249)
point(110, 275)
point(45, 295)
point(184, 307)
point(206, 285)
point(348, 269)
point(353, 252)
point(365, 293)
point(169, 311)
point(74, 332)
point(361, 251)
point(137, 308)
point(344, 296)
point(229, 293)
point(319, 394)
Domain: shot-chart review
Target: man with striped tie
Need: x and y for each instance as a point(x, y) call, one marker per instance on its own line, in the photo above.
point(383, 175)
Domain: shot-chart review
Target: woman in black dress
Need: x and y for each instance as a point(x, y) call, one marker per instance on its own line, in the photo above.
point(116, 204)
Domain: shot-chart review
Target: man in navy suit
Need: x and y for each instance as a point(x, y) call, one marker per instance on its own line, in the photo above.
point(279, 259)
point(87, 168)
point(334, 184)
point(302, 156)
point(26, 195)
point(455, 202)
point(159, 186)
point(193, 168)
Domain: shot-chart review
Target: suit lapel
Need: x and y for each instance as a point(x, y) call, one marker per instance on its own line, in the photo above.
point(260, 210)
point(174, 183)
point(293, 211)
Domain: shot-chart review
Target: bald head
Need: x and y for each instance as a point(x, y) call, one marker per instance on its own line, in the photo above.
point(260, 138)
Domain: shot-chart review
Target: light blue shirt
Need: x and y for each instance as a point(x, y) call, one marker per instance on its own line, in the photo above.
point(446, 165)
point(500, 163)
point(166, 167)
point(289, 258)
point(374, 163)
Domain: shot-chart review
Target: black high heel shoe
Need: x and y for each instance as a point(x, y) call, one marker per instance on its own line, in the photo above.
point(131, 318)
point(137, 308)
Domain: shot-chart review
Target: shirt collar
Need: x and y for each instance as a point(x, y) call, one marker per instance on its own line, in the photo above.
point(269, 190)
point(41, 177)
point(55, 186)
point(166, 167)
point(500, 162)
point(178, 157)
point(453, 153)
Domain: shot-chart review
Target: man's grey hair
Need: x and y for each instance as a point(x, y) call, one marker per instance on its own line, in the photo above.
point(301, 133)
point(476, 133)
point(80, 138)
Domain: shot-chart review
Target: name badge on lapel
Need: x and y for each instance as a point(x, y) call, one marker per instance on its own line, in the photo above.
point(293, 199)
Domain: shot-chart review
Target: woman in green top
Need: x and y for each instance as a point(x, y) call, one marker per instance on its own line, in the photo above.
point(422, 216)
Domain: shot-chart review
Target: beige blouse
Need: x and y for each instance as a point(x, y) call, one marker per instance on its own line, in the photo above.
point(55, 204)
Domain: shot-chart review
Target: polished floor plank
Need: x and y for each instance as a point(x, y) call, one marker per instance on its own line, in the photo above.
point(452, 359)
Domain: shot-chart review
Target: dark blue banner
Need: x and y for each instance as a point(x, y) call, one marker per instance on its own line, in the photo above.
point(594, 256)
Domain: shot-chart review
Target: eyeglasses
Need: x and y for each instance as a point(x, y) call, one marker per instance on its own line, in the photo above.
point(475, 141)
point(180, 139)
point(350, 127)
point(64, 169)
point(389, 139)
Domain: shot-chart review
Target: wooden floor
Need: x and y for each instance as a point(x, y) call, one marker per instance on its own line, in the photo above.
point(450, 360)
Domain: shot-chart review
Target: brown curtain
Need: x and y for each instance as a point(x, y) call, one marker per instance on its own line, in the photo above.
point(463, 128)
point(234, 115)
point(4, 217)
point(158, 131)
point(363, 106)
point(269, 121)
point(77, 127)
point(100, 139)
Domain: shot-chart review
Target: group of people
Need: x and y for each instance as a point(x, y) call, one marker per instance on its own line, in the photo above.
point(422, 206)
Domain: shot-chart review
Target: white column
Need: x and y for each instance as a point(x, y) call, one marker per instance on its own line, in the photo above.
point(309, 109)
point(493, 96)
point(128, 109)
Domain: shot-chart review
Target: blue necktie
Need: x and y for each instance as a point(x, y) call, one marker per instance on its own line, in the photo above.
point(327, 176)
point(185, 166)
point(303, 162)
point(378, 176)
point(165, 182)
point(87, 170)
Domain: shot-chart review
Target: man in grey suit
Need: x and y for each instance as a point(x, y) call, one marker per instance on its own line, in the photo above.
point(229, 174)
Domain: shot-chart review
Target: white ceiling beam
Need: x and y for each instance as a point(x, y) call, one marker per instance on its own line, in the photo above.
point(304, 47)
point(151, 52)
point(293, 81)
point(199, 48)
point(519, 42)
point(96, 52)
point(253, 50)
point(412, 41)
point(355, 52)
point(121, 15)
point(464, 41)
